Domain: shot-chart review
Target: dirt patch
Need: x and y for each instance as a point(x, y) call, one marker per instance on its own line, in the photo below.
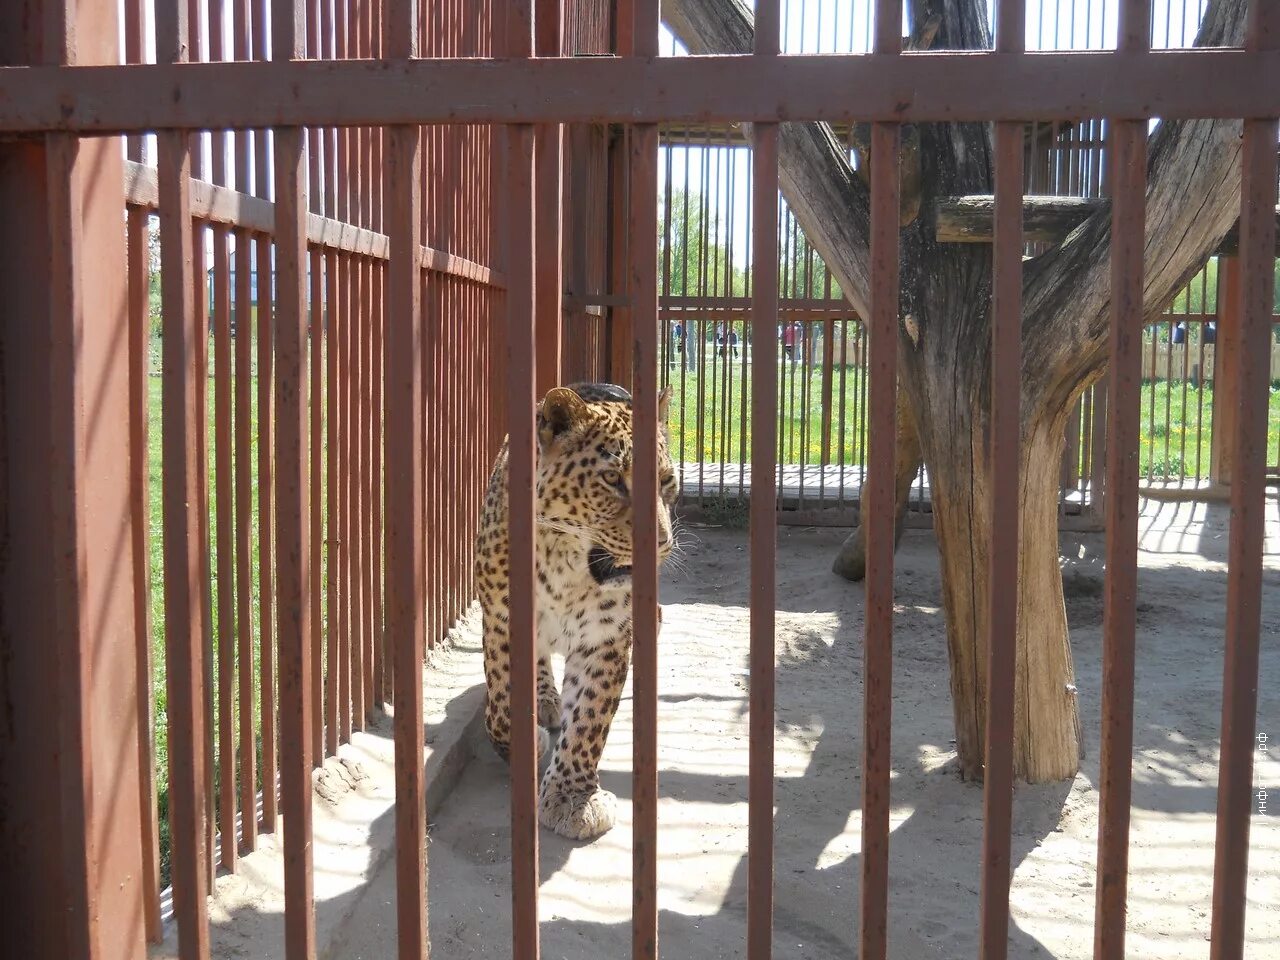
point(585, 900)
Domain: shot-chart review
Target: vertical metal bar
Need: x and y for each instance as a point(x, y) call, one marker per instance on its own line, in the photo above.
point(1128, 217)
point(643, 287)
point(878, 510)
point(405, 548)
point(355, 500)
point(136, 25)
point(244, 558)
point(550, 184)
point(1251, 373)
point(1003, 461)
point(184, 626)
point(382, 664)
point(293, 606)
point(318, 321)
point(764, 526)
point(266, 553)
point(333, 530)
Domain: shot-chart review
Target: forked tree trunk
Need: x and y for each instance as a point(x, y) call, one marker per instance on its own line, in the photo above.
point(1046, 721)
point(1192, 202)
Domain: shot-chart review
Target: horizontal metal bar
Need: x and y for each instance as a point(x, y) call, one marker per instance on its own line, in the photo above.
point(224, 205)
point(944, 86)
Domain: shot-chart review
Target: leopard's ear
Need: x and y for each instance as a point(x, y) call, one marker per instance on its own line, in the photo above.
point(560, 411)
point(664, 403)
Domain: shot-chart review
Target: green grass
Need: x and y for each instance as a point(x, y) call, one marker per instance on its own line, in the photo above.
point(725, 431)
point(724, 434)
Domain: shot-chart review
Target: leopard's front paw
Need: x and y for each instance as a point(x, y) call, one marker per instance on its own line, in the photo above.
point(549, 710)
point(576, 815)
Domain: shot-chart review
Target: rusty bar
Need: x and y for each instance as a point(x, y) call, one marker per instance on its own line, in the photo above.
point(183, 524)
point(244, 556)
point(266, 525)
point(1128, 165)
point(877, 510)
point(355, 500)
point(404, 547)
point(763, 228)
point(316, 544)
point(342, 624)
point(521, 399)
point(366, 490)
point(1128, 178)
point(549, 283)
point(332, 530)
point(1251, 373)
point(135, 32)
point(293, 607)
point(224, 491)
point(184, 628)
point(1003, 468)
point(642, 284)
point(1003, 460)
point(520, 374)
point(382, 655)
point(764, 400)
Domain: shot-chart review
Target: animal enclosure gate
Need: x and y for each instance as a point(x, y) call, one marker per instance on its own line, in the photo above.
point(398, 167)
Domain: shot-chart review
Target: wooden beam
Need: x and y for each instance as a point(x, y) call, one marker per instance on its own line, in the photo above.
point(1045, 219)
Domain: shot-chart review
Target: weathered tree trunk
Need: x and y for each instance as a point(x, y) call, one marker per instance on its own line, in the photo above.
point(851, 560)
point(1192, 202)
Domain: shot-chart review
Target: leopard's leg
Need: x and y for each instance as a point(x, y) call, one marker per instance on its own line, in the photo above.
point(497, 674)
point(548, 696)
point(570, 800)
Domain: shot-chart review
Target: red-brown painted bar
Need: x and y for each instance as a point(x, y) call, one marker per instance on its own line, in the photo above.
point(366, 475)
point(1128, 184)
point(1003, 459)
point(355, 537)
point(933, 86)
point(1128, 166)
point(521, 399)
point(342, 514)
point(332, 531)
point(878, 512)
point(405, 548)
point(549, 282)
point(182, 506)
point(135, 33)
point(382, 656)
point(266, 512)
point(225, 558)
point(764, 530)
point(184, 659)
point(293, 603)
point(764, 426)
point(244, 556)
point(643, 283)
point(316, 544)
point(1248, 506)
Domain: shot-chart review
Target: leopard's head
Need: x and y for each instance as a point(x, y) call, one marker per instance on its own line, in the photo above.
point(585, 477)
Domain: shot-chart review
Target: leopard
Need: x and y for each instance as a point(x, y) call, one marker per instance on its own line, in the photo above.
point(583, 593)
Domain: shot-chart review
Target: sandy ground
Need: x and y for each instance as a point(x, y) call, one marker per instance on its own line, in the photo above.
point(585, 900)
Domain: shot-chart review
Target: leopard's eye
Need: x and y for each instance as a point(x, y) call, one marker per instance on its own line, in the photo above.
point(612, 477)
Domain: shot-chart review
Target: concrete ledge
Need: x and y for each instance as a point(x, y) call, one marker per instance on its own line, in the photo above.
point(353, 826)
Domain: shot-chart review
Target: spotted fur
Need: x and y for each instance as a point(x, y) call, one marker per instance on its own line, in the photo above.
point(583, 550)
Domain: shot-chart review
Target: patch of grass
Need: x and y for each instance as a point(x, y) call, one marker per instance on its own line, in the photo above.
point(723, 433)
